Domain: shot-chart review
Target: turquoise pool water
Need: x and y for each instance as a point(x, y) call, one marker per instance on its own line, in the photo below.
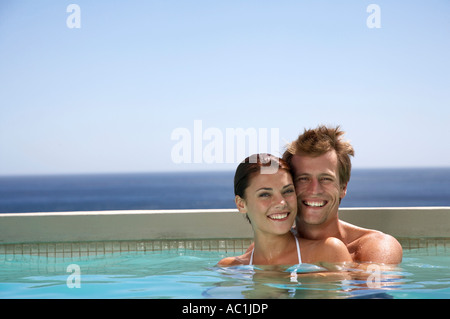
point(194, 274)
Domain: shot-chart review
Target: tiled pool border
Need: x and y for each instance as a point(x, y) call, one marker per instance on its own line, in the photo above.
point(424, 230)
point(427, 246)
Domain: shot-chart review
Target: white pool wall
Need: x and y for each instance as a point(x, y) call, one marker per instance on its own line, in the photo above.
point(400, 222)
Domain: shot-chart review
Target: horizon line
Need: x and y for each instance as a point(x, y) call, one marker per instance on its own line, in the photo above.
point(49, 174)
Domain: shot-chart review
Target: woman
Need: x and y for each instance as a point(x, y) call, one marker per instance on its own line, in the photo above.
point(267, 197)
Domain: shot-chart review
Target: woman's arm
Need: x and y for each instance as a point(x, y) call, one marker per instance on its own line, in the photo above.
point(235, 261)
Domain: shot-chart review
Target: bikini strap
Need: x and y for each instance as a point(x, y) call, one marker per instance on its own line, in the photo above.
point(299, 255)
point(251, 257)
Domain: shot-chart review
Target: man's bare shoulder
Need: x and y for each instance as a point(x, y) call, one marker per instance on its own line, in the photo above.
point(381, 248)
point(369, 245)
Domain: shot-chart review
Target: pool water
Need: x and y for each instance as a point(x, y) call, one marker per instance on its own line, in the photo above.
point(194, 274)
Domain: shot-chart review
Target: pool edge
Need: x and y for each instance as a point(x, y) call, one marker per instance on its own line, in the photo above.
point(142, 225)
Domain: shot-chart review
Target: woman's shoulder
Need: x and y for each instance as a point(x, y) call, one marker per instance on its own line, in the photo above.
point(334, 250)
point(333, 243)
point(330, 249)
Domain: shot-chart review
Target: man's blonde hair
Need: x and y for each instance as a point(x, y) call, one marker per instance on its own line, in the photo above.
point(318, 141)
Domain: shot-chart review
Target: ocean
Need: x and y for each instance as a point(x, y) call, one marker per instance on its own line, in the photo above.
point(203, 190)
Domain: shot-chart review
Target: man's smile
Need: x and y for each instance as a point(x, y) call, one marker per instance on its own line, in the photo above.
point(314, 203)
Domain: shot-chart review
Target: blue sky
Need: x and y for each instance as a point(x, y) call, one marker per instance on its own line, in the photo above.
point(107, 97)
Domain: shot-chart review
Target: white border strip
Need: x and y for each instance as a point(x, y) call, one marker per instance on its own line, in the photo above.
point(411, 222)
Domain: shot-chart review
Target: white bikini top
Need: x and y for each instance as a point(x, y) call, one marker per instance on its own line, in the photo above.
point(298, 253)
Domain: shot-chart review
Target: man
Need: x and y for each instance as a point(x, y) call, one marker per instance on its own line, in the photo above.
point(321, 167)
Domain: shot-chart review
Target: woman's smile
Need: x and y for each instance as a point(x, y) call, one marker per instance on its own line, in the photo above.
point(279, 216)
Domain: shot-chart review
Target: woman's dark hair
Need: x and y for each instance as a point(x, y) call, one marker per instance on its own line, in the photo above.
point(252, 165)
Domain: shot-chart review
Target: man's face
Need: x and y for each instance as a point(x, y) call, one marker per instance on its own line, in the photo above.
point(318, 190)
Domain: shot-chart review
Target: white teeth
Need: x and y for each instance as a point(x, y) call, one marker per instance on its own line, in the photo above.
point(315, 204)
point(278, 216)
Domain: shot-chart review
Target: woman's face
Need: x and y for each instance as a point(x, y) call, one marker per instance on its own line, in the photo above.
point(270, 202)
